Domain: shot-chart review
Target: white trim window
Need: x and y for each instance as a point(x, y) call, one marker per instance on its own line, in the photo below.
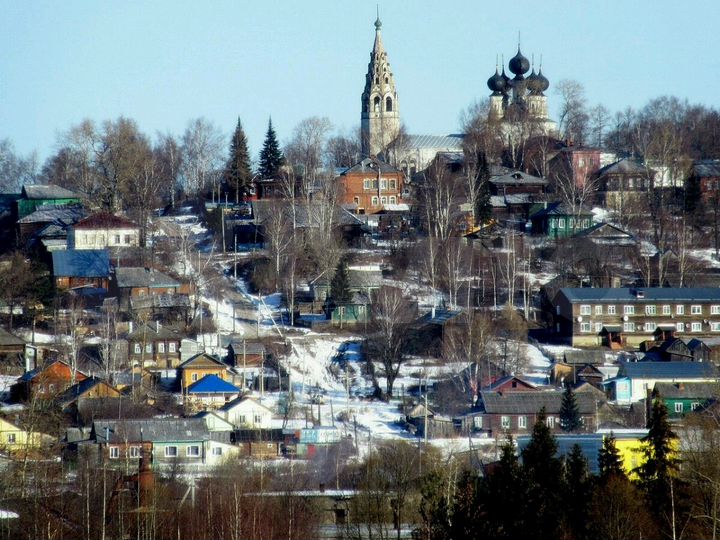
point(680, 327)
point(217, 451)
point(134, 452)
point(522, 422)
point(114, 452)
point(477, 422)
point(611, 310)
point(192, 451)
point(694, 406)
point(650, 326)
point(714, 326)
point(678, 407)
point(696, 310)
point(585, 310)
point(598, 310)
point(585, 327)
point(505, 422)
point(172, 346)
point(650, 310)
point(628, 327)
point(161, 348)
point(550, 422)
point(680, 309)
point(598, 327)
point(696, 327)
point(171, 451)
point(629, 310)
point(714, 310)
point(138, 348)
point(666, 310)
point(374, 200)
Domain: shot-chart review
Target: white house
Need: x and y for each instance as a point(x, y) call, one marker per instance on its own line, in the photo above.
point(246, 412)
point(103, 230)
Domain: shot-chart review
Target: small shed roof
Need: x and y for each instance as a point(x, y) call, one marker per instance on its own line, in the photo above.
point(81, 263)
point(130, 277)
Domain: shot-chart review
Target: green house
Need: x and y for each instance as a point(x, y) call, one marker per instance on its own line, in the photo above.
point(556, 220)
point(684, 398)
point(33, 196)
point(355, 311)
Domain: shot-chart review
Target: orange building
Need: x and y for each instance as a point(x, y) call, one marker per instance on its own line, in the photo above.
point(370, 186)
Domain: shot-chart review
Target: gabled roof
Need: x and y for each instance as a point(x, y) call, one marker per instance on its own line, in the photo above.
point(696, 343)
point(81, 263)
point(143, 277)
point(305, 216)
point(61, 214)
point(247, 347)
point(105, 220)
point(202, 360)
point(230, 405)
point(687, 390)
point(705, 168)
point(449, 142)
point(531, 402)
point(625, 166)
point(212, 384)
point(47, 191)
point(30, 375)
point(152, 332)
point(369, 166)
point(9, 340)
point(151, 430)
point(441, 317)
point(606, 231)
point(559, 209)
point(668, 370)
point(650, 294)
point(77, 390)
point(508, 378)
point(518, 178)
point(592, 356)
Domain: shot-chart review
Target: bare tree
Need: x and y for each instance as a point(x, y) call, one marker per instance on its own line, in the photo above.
point(202, 147)
point(169, 158)
point(392, 313)
point(573, 117)
point(305, 151)
point(599, 121)
point(15, 170)
point(343, 150)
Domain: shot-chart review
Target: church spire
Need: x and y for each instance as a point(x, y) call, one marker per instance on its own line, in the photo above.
point(380, 120)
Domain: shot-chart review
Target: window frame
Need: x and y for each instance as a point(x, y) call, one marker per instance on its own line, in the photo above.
point(114, 452)
point(696, 326)
point(678, 407)
point(628, 310)
point(192, 450)
point(171, 454)
point(611, 310)
point(522, 422)
point(585, 309)
point(505, 422)
point(695, 309)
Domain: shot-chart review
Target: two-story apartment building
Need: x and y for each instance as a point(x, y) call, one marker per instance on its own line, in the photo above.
point(103, 230)
point(369, 186)
point(154, 345)
point(619, 317)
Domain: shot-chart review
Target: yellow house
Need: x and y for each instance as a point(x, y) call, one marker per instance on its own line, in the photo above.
point(200, 365)
point(13, 438)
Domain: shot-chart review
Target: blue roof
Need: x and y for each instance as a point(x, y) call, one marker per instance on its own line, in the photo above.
point(212, 384)
point(669, 370)
point(649, 294)
point(81, 263)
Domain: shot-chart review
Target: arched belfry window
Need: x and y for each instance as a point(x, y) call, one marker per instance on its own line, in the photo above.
point(376, 104)
point(388, 104)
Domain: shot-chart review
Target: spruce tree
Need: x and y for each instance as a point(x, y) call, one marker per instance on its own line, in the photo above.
point(609, 461)
point(271, 157)
point(483, 208)
point(577, 493)
point(570, 419)
point(340, 284)
point(237, 170)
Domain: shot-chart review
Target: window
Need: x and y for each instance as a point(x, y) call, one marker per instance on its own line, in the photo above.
point(715, 326)
point(393, 183)
point(650, 310)
point(666, 310)
point(629, 310)
point(388, 103)
point(695, 310)
point(550, 422)
point(680, 327)
point(611, 310)
point(138, 348)
point(477, 422)
point(585, 310)
point(134, 452)
point(114, 452)
point(598, 327)
point(171, 347)
point(522, 422)
point(148, 348)
point(678, 407)
point(128, 239)
point(258, 419)
point(117, 239)
point(650, 326)
point(171, 451)
point(598, 310)
point(161, 348)
point(393, 199)
point(383, 200)
point(192, 451)
point(101, 239)
point(367, 184)
point(11, 438)
point(376, 101)
point(356, 200)
point(374, 201)
point(194, 377)
point(585, 327)
point(694, 406)
point(714, 310)
point(505, 422)
point(217, 451)
point(241, 419)
point(696, 327)
point(383, 184)
point(680, 310)
point(629, 327)
point(561, 223)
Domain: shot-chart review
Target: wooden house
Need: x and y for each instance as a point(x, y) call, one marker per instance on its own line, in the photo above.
point(81, 268)
point(135, 282)
point(154, 345)
point(557, 220)
point(12, 354)
point(197, 367)
point(83, 393)
point(48, 381)
point(14, 438)
point(247, 413)
point(243, 353)
point(210, 392)
point(103, 230)
point(34, 196)
point(682, 398)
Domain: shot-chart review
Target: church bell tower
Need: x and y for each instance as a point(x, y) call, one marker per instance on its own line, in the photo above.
point(380, 119)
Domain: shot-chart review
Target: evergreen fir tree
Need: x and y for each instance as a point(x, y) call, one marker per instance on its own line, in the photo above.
point(505, 496)
point(483, 208)
point(609, 461)
point(237, 170)
point(271, 157)
point(570, 419)
point(340, 284)
point(577, 493)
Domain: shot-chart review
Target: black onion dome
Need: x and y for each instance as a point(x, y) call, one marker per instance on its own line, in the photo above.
point(542, 82)
point(519, 65)
point(532, 83)
point(508, 80)
point(496, 83)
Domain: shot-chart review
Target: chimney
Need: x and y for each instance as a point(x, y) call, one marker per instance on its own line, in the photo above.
point(432, 313)
point(130, 327)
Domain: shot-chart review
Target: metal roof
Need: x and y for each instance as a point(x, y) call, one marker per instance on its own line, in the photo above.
point(650, 294)
point(668, 370)
point(369, 166)
point(212, 384)
point(106, 220)
point(531, 402)
point(706, 168)
point(449, 142)
point(143, 277)
point(81, 263)
point(687, 390)
point(8, 340)
point(625, 166)
point(56, 213)
point(519, 178)
point(48, 191)
point(559, 209)
point(151, 429)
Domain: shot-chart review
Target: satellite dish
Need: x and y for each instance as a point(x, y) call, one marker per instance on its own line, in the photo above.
point(625, 318)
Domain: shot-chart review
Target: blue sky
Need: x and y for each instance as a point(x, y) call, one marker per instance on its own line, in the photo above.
point(165, 62)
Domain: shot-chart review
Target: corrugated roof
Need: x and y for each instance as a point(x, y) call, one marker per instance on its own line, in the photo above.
point(651, 294)
point(56, 213)
point(519, 178)
point(81, 263)
point(452, 142)
point(143, 277)
point(668, 370)
point(560, 209)
point(212, 384)
point(625, 166)
point(48, 191)
point(151, 430)
point(687, 390)
point(105, 220)
point(248, 347)
point(9, 340)
point(369, 165)
point(305, 217)
point(532, 401)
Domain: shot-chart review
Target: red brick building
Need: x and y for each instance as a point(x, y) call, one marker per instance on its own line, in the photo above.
point(370, 186)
